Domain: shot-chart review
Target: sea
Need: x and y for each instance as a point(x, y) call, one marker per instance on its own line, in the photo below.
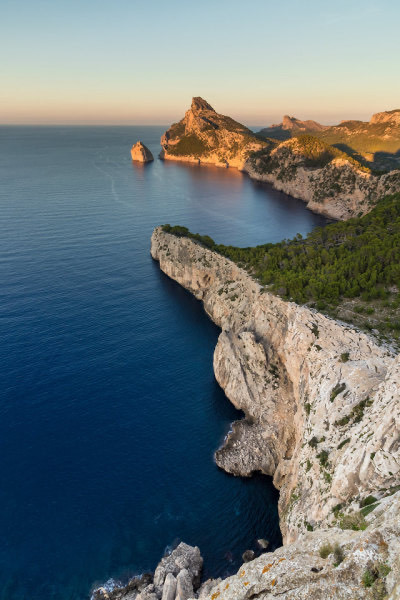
point(109, 412)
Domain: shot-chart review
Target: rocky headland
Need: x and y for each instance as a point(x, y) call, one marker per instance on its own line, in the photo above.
point(332, 182)
point(328, 180)
point(140, 153)
point(205, 136)
point(322, 418)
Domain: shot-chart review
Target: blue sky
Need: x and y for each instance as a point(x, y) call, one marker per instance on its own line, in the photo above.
point(129, 61)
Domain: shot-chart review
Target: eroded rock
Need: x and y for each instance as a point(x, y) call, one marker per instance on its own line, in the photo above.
point(141, 153)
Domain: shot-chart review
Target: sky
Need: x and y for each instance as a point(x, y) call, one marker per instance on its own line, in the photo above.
point(140, 62)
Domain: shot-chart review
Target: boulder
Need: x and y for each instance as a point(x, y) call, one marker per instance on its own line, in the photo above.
point(248, 555)
point(141, 153)
point(184, 585)
point(262, 543)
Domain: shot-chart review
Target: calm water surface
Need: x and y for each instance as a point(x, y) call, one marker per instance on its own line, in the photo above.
point(110, 413)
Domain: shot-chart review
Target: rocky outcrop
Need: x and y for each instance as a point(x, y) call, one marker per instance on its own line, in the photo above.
point(321, 416)
point(390, 117)
point(330, 182)
point(141, 153)
point(205, 136)
point(177, 577)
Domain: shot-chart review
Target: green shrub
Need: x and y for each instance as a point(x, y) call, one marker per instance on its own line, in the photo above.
point(368, 578)
point(323, 458)
point(356, 414)
point(368, 500)
point(344, 357)
point(313, 442)
point(338, 389)
point(338, 554)
point(343, 443)
point(354, 521)
point(325, 550)
point(188, 145)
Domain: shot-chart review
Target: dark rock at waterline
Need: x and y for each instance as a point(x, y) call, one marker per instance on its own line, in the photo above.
point(262, 544)
point(248, 555)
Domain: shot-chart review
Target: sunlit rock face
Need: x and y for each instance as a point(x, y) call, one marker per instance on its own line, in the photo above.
point(205, 136)
point(140, 153)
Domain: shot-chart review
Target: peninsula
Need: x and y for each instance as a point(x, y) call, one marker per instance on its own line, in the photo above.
point(337, 183)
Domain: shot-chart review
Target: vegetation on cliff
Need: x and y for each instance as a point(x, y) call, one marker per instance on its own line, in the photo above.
point(349, 269)
point(310, 152)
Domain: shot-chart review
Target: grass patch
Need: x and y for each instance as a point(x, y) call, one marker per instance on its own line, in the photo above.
point(343, 443)
point(354, 521)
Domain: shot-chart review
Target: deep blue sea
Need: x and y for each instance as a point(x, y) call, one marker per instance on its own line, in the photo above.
point(110, 412)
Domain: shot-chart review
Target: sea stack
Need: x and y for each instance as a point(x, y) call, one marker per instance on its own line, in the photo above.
point(141, 153)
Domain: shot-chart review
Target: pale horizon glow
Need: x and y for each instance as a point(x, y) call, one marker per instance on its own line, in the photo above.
point(126, 63)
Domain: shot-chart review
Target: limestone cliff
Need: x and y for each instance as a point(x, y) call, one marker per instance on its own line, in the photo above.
point(322, 417)
point(328, 180)
point(141, 153)
point(204, 136)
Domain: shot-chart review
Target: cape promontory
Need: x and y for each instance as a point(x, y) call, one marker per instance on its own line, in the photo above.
point(205, 136)
point(140, 153)
point(334, 182)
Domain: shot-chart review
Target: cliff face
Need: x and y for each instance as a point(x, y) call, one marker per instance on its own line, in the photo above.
point(205, 136)
point(322, 417)
point(327, 180)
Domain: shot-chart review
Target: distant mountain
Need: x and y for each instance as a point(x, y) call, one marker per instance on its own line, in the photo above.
point(291, 126)
point(376, 141)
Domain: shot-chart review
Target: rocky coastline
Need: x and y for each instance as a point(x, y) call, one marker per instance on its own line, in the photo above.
point(321, 416)
point(330, 181)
